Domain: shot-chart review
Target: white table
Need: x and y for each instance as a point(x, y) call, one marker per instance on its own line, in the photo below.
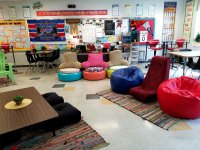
point(185, 55)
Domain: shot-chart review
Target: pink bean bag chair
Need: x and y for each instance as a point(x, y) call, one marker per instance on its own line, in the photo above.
point(95, 60)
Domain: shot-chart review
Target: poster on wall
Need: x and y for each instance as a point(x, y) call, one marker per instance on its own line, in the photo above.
point(115, 9)
point(89, 33)
point(1, 12)
point(109, 27)
point(189, 8)
point(12, 12)
point(46, 30)
point(169, 21)
point(15, 33)
point(121, 26)
point(139, 9)
point(128, 10)
point(26, 11)
point(138, 26)
point(151, 10)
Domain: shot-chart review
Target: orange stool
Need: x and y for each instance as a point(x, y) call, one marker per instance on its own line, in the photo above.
point(94, 75)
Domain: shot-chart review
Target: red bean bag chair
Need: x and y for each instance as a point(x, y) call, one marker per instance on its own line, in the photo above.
point(180, 97)
point(157, 73)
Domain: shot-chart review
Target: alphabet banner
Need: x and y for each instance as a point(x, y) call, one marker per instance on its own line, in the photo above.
point(46, 30)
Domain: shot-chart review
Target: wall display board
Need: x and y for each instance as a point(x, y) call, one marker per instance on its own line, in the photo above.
point(121, 26)
point(109, 27)
point(144, 27)
point(92, 30)
point(46, 30)
point(189, 8)
point(15, 33)
point(169, 21)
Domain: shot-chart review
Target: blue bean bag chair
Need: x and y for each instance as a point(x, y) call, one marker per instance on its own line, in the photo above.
point(124, 79)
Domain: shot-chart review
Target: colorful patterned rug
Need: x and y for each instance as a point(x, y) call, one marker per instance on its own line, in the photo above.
point(4, 81)
point(79, 136)
point(148, 111)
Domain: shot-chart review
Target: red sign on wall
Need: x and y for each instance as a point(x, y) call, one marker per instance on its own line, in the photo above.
point(71, 12)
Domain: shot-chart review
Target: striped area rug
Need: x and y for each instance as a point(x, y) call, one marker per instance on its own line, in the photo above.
point(4, 82)
point(79, 136)
point(148, 111)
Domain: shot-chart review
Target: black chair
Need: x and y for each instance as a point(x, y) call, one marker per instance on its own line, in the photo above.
point(31, 60)
point(51, 58)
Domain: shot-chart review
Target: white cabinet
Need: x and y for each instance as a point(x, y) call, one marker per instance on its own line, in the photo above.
point(133, 57)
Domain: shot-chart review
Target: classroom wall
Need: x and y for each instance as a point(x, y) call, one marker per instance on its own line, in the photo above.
point(96, 5)
point(100, 4)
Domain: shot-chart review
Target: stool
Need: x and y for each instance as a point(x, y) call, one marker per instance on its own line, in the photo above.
point(68, 77)
point(112, 69)
point(94, 75)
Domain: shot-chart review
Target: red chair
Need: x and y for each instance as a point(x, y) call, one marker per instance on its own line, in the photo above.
point(5, 47)
point(179, 43)
point(91, 47)
point(180, 97)
point(106, 45)
point(157, 73)
point(153, 45)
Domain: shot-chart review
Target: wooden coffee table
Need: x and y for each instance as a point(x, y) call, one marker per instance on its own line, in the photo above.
point(38, 111)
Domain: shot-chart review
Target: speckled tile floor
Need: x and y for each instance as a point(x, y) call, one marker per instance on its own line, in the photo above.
point(119, 127)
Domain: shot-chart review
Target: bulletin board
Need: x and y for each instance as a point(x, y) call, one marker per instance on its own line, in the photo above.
point(145, 27)
point(46, 30)
point(16, 33)
point(95, 30)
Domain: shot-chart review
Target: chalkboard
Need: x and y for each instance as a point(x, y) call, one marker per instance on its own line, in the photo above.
point(109, 27)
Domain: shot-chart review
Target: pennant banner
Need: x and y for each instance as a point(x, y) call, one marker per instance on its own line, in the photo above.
point(71, 12)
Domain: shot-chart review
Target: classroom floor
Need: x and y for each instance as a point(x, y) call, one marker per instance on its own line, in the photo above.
point(119, 127)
